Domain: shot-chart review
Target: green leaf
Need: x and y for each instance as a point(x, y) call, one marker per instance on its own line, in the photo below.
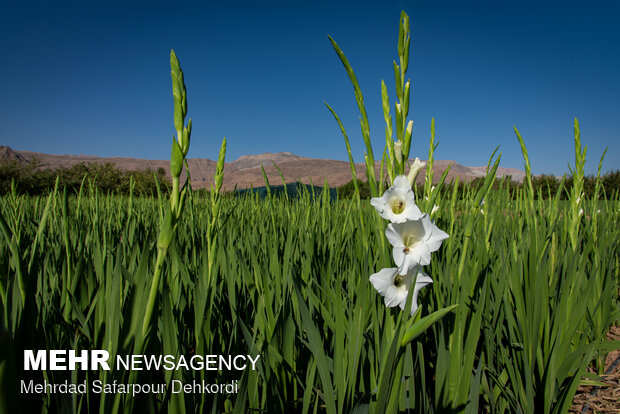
point(423, 324)
point(370, 161)
point(316, 347)
point(266, 180)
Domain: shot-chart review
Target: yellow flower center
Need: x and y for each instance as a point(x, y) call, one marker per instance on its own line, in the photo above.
point(397, 205)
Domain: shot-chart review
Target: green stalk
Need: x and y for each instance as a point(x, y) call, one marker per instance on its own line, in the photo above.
point(394, 398)
point(174, 196)
point(577, 194)
point(180, 147)
point(353, 172)
point(161, 256)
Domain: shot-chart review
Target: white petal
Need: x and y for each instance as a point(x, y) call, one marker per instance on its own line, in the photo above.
point(420, 255)
point(380, 203)
point(414, 303)
point(437, 237)
point(428, 226)
point(400, 192)
point(399, 258)
point(383, 279)
point(411, 211)
point(393, 235)
point(401, 182)
point(395, 296)
point(410, 197)
point(383, 204)
point(422, 280)
point(413, 228)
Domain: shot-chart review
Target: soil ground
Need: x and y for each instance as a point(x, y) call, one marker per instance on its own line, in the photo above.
point(602, 399)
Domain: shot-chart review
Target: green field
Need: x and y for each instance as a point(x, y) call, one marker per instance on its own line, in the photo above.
point(289, 281)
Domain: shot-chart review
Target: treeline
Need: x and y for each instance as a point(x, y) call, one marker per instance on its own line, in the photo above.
point(33, 179)
point(544, 185)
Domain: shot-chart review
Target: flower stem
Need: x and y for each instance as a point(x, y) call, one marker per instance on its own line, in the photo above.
point(174, 196)
point(396, 385)
point(161, 255)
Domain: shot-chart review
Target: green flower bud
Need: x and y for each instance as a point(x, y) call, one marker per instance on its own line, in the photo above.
point(176, 159)
point(165, 234)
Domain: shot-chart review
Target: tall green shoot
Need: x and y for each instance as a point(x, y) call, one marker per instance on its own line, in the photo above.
point(180, 147)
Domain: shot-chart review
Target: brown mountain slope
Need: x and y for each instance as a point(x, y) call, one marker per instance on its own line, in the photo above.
point(246, 170)
point(7, 154)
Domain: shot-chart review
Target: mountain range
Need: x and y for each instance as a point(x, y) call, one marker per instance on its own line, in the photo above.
point(245, 171)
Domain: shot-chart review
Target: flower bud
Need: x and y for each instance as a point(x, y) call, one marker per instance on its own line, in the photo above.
point(165, 234)
point(414, 170)
point(398, 151)
point(409, 129)
point(176, 159)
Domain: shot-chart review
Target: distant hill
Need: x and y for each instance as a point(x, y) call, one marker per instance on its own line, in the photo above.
point(251, 161)
point(7, 154)
point(246, 170)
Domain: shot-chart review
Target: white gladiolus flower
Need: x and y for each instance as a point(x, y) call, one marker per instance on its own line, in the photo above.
point(414, 170)
point(395, 287)
point(414, 241)
point(398, 202)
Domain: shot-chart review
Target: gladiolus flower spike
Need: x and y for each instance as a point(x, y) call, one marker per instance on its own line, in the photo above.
point(413, 237)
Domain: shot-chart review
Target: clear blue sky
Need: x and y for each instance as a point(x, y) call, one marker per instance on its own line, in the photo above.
point(94, 77)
